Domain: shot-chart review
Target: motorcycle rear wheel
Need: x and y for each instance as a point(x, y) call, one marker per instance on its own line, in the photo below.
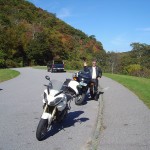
point(92, 94)
point(79, 100)
point(42, 129)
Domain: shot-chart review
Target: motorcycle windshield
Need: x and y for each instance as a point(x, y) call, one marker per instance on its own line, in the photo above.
point(56, 85)
point(83, 74)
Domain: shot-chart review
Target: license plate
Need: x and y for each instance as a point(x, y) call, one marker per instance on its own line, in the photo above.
point(83, 84)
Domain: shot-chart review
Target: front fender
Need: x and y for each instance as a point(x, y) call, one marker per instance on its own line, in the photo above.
point(46, 115)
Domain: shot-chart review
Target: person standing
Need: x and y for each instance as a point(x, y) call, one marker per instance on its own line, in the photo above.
point(95, 73)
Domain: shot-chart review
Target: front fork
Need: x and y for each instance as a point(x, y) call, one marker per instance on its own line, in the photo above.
point(46, 114)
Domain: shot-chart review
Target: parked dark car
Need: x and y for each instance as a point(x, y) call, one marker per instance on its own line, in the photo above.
point(55, 66)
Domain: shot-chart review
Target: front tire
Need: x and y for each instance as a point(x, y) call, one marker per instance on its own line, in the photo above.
point(79, 100)
point(42, 129)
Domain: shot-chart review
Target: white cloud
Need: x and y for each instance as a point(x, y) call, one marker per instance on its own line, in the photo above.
point(64, 13)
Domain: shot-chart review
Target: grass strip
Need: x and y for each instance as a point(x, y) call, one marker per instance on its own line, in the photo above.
point(6, 74)
point(40, 67)
point(140, 86)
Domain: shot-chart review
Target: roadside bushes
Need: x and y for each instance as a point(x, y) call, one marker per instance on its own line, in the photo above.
point(10, 63)
point(73, 65)
point(133, 69)
point(145, 73)
point(137, 70)
point(2, 63)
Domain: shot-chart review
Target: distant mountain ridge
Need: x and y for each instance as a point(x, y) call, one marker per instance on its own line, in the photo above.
point(32, 36)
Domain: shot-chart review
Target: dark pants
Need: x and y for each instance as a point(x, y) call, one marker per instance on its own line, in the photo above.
point(94, 95)
point(95, 81)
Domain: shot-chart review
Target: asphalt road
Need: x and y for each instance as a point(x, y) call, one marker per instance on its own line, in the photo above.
point(21, 108)
point(118, 121)
point(125, 121)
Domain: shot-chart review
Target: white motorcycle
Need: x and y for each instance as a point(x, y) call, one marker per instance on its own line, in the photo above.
point(56, 103)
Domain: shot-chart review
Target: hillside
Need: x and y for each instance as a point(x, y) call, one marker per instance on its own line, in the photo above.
point(32, 36)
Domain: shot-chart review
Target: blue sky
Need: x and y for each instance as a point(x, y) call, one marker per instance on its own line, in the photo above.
point(115, 23)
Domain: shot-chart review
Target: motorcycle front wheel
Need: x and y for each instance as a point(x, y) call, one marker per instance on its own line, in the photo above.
point(42, 129)
point(79, 100)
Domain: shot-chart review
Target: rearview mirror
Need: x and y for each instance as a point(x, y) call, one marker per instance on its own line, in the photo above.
point(47, 77)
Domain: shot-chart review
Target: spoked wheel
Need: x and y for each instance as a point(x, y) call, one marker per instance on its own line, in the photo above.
point(79, 100)
point(42, 129)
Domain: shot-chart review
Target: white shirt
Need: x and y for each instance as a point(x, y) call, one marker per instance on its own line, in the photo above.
point(94, 73)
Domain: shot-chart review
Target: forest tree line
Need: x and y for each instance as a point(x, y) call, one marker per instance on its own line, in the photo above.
point(31, 36)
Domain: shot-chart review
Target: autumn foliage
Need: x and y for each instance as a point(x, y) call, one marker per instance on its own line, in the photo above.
point(32, 36)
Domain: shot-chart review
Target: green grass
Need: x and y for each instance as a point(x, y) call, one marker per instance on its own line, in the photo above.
point(40, 67)
point(140, 86)
point(6, 74)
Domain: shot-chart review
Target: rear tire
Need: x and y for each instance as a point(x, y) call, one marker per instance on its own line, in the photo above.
point(92, 94)
point(79, 100)
point(42, 129)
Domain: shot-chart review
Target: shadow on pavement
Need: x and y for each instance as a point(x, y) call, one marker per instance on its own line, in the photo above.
point(88, 98)
point(69, 121)
point(59, 72)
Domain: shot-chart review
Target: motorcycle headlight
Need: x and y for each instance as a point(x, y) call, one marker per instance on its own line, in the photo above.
point(75, 78)
point(56, 101)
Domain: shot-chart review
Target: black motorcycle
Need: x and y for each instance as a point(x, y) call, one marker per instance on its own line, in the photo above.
point(84, 80)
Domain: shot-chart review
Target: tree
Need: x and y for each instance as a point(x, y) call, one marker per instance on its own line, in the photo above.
point(140, 53)
point(112, 61)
